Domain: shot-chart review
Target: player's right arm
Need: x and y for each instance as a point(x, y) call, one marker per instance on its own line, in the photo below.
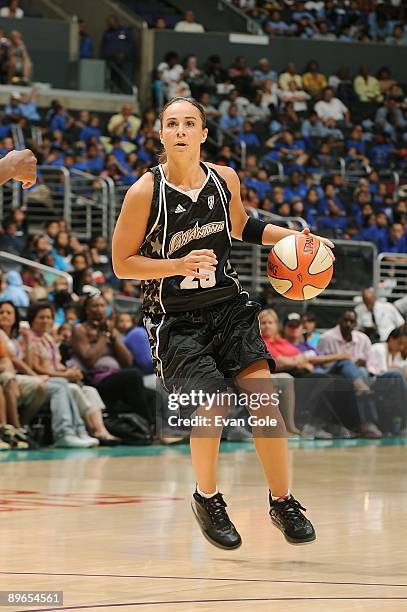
point(129, 234)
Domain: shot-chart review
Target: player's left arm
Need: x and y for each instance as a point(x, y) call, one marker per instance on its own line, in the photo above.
point(239, 217)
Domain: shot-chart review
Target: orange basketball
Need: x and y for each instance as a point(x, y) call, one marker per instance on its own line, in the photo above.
point(299, 266)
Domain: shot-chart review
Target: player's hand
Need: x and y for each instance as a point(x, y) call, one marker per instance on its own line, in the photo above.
point(326, 241)
point(197, 263)
point(22, 167)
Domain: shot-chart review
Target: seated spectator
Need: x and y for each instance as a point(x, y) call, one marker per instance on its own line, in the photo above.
point(10, 241)
point(289, 359)
point(288, 76)
point(247, 136)
point(297, 96)
point(14, 291)
point(276, 26)
point(375, 317)
point(91, 131)
point(309, 324)
point(67, 425)
point(12, 434)
point(12, 10)
point(188, 24)
point(234, 97)
point(43, 356)
point(124, 124)
point(256, 111)
point(195, 78)
point(386, 355)
point(269, 95)
point(61, 298)
point(241, 75)
point(344, 338)
point(398, 37)
point(390, 118)
point(19, 63)
point(367, 86)
point(136, 340)
point(210, 111)
point(313, 81)
point(385, 79)
point(85, 41)
point(331, 108)
point(395, 240)
point(322, 32)
point(106, 362)
point(124, 322)
point(231, 121)
point(13, 110)
point(264, 72)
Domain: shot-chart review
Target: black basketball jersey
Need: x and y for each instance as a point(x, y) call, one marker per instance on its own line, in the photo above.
point(177, 225)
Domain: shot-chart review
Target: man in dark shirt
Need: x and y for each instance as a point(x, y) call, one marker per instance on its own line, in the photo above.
point(117, 48)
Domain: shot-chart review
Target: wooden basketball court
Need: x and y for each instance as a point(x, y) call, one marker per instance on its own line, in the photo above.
point(113, 529)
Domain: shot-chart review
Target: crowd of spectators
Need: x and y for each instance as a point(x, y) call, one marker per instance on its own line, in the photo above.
point(336, 138)
point(338, 20)
point(340, 367)
point(343, 20)
point(90, 364)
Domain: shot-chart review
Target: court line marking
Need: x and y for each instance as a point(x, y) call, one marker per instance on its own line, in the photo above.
point(198, 601)
point(144, 576)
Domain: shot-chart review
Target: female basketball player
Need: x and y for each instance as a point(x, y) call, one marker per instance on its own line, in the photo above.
point(175, 232)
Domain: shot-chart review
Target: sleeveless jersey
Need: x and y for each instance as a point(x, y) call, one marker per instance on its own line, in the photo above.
point(178, 225)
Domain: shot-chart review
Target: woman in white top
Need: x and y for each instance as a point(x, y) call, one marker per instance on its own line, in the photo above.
point(386, 355)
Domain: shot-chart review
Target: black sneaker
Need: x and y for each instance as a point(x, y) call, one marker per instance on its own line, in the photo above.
point(287, 516)
point(214, 522)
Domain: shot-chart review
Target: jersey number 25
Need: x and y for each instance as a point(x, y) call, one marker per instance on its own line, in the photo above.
point(190, 282)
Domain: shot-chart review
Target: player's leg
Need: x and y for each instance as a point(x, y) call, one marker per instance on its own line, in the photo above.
point(182, 355)
point(208, 504)
point(272, 449)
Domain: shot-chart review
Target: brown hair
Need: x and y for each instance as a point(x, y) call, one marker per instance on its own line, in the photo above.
point(162, 155)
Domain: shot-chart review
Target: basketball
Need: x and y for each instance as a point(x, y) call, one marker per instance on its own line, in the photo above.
point(299, 266)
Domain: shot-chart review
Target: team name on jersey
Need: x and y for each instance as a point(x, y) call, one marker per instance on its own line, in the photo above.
point(180, 239)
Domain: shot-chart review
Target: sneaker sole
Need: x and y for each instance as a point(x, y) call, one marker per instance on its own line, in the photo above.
point(213, 542)
point(291, 540)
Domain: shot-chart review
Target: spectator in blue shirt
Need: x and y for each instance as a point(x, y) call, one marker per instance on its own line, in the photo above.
point(259, 183)
point(296, 187)
point(61, 120)
point(91, 131)
point(85, 41)
point(380, 152)
point(277, 27)
point(248, 136)
point(231, 121)
point(29, 107)
point(335, 220)
point(13, 109)
point(313, 128)
point(95, 163)
point(264, 72)
point(395, 241)
point(330, 195)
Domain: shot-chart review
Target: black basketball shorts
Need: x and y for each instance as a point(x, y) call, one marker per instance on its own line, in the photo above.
point(202, 348)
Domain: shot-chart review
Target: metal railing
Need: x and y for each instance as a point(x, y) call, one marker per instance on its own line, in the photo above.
point(29, 263)
point(50, 198)
point(9, 197)
point(252, 26)
point(90, 204)
point(392, 272)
